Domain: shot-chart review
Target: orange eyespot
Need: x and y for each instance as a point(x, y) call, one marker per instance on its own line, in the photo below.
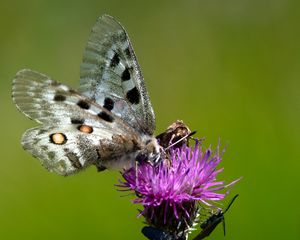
point(58, 138)
point(85, 129)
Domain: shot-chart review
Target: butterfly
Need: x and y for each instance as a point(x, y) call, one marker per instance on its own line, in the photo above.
point(108, 122)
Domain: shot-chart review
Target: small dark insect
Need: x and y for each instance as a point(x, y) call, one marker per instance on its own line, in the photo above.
point(178, 131)
point(156, 234)
point(213, 221)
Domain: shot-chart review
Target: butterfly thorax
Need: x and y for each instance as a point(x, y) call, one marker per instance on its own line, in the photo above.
point(151, 150)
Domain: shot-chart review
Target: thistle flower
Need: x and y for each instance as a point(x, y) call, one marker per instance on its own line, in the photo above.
point(173, 191)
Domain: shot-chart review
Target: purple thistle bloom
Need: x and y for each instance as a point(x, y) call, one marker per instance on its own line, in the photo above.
point(173, 191)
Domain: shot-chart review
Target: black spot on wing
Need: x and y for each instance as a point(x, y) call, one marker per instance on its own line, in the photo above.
point(127, 52)
point(133, 96)
point(108, 104)
point(72, 91)
point(83, 104)
point(77, 121)
point(125, 75)
point(51, 155)
point(73, 158)
point(98, 163)
point(106, 117)
point(59, 98)
point(42, 131)
point(115, 60)
point(98, 154)
point(44, 148)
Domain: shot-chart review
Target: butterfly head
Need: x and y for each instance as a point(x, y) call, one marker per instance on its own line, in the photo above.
point(151, 152)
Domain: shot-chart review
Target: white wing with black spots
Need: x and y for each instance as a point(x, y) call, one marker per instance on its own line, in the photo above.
point(76, 131)
point(111, 76)
point(46, 101)
point(78, 149)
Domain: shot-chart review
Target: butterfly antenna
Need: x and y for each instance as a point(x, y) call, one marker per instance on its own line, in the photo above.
point(181, 139)
point(231, 202)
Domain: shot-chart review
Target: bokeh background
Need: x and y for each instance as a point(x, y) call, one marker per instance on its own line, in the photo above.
point(229, 69)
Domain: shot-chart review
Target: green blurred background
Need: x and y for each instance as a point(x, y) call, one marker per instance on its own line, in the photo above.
point(229, 69)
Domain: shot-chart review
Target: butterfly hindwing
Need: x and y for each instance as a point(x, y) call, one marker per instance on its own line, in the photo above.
point(64, 157)
point(66, 150)
point(110, 75)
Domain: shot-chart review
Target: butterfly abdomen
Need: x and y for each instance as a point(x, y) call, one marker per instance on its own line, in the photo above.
point(119, 152)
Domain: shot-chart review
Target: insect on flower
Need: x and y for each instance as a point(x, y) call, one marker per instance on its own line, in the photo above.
point(213, 221)
point(108, 122)
point(171, 191)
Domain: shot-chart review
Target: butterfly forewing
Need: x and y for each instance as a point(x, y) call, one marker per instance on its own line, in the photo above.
point(47, 101)
point(110, 75)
